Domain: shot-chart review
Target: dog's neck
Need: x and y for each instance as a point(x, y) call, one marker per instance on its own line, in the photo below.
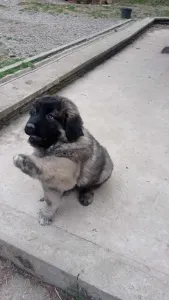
point(39, 152)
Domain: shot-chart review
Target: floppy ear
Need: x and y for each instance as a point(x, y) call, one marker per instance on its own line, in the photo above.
point(73, 128)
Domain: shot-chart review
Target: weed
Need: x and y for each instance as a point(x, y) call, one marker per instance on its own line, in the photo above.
point(8, 62)
point(22, 66)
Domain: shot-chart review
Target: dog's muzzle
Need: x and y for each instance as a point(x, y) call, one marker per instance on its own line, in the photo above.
point(30, 129)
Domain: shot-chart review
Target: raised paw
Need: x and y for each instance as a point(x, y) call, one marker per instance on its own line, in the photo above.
point(86, 197)
point(43, 219)
point(26, 165)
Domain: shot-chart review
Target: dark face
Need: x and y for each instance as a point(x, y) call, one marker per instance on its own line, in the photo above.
point(44, 126)
point(48, 123)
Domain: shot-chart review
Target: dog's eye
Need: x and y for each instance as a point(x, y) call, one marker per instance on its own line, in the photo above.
point(33, 111)
point(50, 117)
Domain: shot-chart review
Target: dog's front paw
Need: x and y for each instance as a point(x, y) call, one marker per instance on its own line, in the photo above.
point(43, 219)
point(26, 165)
point(18, 160)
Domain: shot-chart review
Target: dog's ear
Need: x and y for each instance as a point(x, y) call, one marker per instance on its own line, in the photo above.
point(73, 128)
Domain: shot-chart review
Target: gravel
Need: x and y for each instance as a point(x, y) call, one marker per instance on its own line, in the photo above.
point(24, 34)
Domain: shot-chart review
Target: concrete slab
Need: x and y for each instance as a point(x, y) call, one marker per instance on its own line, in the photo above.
point(117, 248)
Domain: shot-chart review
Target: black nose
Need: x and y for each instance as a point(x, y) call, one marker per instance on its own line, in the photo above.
point(30, 129)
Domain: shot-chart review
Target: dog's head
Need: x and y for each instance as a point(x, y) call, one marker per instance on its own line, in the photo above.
point(53, 119)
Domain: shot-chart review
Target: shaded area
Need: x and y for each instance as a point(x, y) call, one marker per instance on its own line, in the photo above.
point(17, 284)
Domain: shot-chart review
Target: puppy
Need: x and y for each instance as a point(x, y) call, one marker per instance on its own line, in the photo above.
point(66, 155)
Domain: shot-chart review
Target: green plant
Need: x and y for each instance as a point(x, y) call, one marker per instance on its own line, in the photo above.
point(22, 66)
point(8, 62)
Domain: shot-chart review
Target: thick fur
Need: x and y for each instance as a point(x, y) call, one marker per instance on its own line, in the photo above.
point(66, 154)
point(56, 175)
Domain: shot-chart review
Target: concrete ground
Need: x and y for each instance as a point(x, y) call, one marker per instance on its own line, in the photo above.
point(124, 103)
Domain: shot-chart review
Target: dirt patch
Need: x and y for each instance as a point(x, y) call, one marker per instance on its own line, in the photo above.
point(17, 284)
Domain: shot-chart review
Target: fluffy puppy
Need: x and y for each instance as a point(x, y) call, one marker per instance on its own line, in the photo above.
point(66, 155)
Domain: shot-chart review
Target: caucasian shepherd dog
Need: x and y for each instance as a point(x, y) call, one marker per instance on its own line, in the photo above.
point(66, 155)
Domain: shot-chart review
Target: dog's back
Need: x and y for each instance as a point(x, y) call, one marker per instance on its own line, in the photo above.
point(97, 168)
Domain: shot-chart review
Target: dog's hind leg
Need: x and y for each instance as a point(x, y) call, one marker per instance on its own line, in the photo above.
point(86, 195)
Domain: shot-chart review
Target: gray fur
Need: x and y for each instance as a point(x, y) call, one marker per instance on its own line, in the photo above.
point(95, 163)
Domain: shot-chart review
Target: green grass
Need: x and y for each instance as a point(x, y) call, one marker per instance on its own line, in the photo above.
point(68, 295)
point(42, 7)
point(23, 65)
point(166, 13)
point(141, 8)
point(8, 62)
point(145, 2)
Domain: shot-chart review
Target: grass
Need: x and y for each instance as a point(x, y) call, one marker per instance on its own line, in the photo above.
point(22, 66)
point(8, 62)
point(141, 8)
point(50, 8)
point(145, 2)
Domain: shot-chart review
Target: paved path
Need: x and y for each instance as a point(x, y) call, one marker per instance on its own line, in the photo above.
point(124, 233)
